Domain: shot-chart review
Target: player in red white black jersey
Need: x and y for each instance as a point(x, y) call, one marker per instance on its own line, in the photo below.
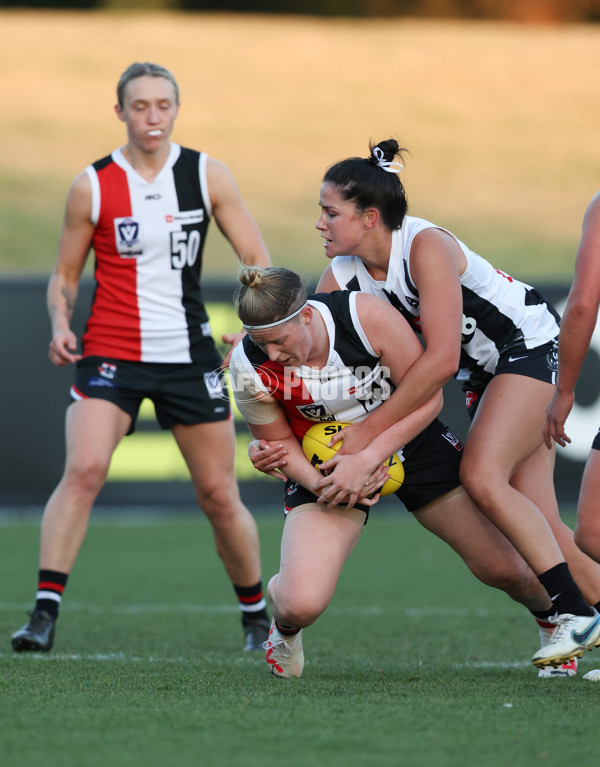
point(496, 334)
point(145, 210)
point(341, 356)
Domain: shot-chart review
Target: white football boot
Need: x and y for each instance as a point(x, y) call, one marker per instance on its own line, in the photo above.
point(571, 636)
point(284, 653)
point(565, 669)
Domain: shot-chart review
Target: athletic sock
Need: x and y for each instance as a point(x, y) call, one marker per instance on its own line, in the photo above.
point(543, 616)
point(286, 631)
point(564, 592)
point(252, 603)
point(51, 585)
point(597, 607)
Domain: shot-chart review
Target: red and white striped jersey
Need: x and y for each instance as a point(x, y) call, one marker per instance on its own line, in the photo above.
point(148, 243)
point(347, 389)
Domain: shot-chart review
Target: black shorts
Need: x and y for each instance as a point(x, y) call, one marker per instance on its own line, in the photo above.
point(431, 463)
point(187, 393)
point(596, 442)
point(540, 363)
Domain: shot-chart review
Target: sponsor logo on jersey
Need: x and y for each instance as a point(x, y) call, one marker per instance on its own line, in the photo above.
point(153, 197)
point(186, 217)
point(128, 237)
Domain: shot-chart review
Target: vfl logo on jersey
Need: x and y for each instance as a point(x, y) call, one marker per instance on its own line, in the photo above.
point(452, 439)
point(316, 411)
point(128, 237)
point(213, 384)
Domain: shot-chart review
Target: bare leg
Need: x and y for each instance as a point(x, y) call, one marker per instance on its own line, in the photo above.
point(534, 478)
point(94, 428)
point(587, 530)
point(483, 548)
point(209, 450)
point(505, 432)
point(314, 546)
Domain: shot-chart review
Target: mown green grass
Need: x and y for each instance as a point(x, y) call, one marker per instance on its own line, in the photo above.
point(415, 663)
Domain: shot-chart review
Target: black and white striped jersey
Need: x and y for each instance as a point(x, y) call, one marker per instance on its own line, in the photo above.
point(500, 313)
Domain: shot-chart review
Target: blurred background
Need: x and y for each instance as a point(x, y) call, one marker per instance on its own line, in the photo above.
point(498, 103)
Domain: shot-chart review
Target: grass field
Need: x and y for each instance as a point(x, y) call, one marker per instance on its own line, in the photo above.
point(415, 663)
point(502, 121)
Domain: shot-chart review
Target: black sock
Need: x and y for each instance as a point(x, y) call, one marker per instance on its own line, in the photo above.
point(563, 591)
point(542, 616)
point(51, 585)
point(286, 631)
point(252, 603)
point(597, 607)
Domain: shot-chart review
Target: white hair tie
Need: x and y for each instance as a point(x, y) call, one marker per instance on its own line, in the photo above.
point(277, 322)
point(387, 165)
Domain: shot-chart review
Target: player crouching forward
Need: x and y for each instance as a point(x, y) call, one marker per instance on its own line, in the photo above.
point(337, 356)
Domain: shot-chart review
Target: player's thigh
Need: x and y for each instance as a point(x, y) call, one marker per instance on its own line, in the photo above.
point(482, 547)
point(315, 544)
point(507, 428)
point(209, 451)
point(94, 428)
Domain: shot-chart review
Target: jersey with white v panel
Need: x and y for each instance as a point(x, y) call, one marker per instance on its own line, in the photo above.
point(347, 389)
point(500, 314)
point(148, 243)
point(352, 383)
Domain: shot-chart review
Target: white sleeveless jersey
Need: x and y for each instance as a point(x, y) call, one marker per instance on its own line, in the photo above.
point(499, 312)
point(148, 243)
point(347, 389)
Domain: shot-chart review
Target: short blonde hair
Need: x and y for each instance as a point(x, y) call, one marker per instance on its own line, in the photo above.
point(145, 69)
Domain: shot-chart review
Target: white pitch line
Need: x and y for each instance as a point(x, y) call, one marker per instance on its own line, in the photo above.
point(253, 658)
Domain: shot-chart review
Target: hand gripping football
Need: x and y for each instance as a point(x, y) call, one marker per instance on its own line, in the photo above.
point(314, 446)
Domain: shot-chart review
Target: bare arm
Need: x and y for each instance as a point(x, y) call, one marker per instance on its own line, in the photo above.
point(398, 349)
point(73, 249)
point(436, 262)
point(577, 325)
point(237, 224)
point(328, 283)
point(233, 217)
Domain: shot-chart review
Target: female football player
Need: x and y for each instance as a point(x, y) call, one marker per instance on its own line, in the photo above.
point(339, 357)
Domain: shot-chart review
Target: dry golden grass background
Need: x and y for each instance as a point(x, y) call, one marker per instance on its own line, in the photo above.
point(502, 120)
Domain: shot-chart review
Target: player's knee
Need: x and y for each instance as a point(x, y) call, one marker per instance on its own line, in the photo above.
point(219, 500)
point(297, 610)
point(86, 475)
point(478, 483)
point(514, 578)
